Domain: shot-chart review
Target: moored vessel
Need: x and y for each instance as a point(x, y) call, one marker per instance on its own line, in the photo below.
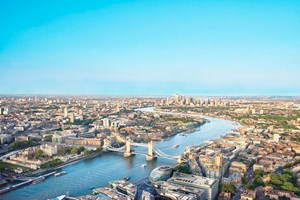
point(38, 180)
point(60, 173)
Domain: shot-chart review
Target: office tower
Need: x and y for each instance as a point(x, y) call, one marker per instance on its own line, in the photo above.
point(72, 118)
point(66, 111)
point(106, 122)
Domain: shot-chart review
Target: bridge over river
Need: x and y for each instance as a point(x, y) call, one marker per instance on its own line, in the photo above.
point(152, 151)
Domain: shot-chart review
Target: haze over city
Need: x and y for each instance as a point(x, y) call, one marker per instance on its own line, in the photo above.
point(150, 47)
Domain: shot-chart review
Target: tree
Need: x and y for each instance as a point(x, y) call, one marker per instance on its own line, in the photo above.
point(259, 172)
point(20, 145)
point(74, 151)
point(249, 186)
point(183, 168)
point(86, 152)
point(64, 151)
point(48, 138)
point(245, 180)
point(37, 154)
point(98, 149)
point(274, 179)
point(285, 177)
point(287, 172)
point(258, 181)
point(77, 150)
point(228, 188)
point(51, 163)
point(289, 187)
point(80, 149)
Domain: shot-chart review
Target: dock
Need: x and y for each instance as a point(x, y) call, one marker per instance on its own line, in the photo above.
point(27, 182)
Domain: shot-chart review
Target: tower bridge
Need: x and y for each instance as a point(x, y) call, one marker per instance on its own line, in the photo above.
point(152, 151)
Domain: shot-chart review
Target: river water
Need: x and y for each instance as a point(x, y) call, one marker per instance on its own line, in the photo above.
point(98, 171)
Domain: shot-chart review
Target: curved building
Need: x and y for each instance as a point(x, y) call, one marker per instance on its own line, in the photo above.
point(161, 173)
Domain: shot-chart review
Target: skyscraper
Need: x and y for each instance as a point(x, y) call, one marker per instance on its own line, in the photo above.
point(66, 112)
point(72, 118)
point(106, 122)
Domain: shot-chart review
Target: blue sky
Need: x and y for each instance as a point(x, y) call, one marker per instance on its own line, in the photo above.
point(150, 47)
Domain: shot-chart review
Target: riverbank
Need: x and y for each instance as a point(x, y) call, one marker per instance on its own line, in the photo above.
point(191, 124)
point(193, 113)
point(47, 171)
point(69, 162)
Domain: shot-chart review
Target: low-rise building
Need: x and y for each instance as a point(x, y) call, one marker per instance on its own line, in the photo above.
point(248, 195)
point(83, 141)
point(210, 186)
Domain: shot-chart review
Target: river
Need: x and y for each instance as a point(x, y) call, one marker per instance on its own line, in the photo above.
point(98, 171)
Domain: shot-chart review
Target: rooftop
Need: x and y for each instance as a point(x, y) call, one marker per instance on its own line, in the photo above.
point(192, 179)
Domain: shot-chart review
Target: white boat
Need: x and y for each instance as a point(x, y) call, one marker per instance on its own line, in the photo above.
point(60, 173)
point(62, 197)
point(144, 165)
point(176, 145)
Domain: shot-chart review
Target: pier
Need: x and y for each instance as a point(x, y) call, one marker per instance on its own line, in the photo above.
point(26, 182)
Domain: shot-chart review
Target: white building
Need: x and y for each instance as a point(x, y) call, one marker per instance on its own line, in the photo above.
point(106, 122)
point(276, 137)
point(49, 149)
point(210, 186)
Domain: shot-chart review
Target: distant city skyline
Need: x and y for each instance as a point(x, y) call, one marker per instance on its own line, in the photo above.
point(150, 48)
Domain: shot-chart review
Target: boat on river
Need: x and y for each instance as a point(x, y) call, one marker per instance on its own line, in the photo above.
point(144, 165)
point(38, 180)
point(60, 173)
point(62, 197)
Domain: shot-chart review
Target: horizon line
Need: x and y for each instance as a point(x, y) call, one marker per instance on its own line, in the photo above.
point(139, 95)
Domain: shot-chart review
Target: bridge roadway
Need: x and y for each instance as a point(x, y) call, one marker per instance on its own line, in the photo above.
point(138, 144)
point(158, 152)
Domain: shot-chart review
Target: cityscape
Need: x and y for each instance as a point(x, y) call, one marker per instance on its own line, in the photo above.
point(149, 100)
point(256, 158)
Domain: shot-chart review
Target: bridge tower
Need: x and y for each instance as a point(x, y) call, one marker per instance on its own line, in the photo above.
point(105, 144)
point(127, 152)
point(150, 154)
point(179, 159)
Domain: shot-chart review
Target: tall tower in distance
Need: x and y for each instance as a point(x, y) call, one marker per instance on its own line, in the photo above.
point(177, 98)
point(66, 111)
point(72, 118)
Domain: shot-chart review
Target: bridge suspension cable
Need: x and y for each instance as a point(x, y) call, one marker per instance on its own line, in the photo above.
point(157, 151)
point(164, 155)
point(120, 149)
